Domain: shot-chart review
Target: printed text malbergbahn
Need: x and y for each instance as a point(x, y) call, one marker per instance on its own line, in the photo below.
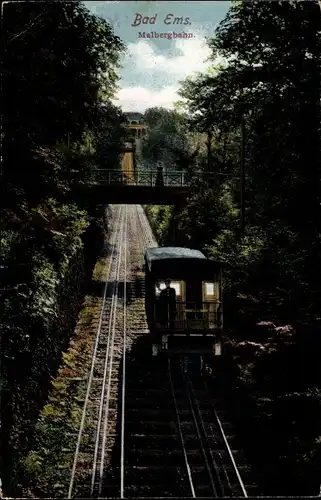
point(170, 35)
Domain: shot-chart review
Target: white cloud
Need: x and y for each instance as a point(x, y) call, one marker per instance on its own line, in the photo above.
point(140, 98)
point(145, 59)
point(194, 52)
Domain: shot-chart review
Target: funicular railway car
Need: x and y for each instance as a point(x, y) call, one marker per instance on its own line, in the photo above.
point(189, 320)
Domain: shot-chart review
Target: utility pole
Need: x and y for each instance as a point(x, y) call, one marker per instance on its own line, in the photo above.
point(242, 177)
point(209, 150)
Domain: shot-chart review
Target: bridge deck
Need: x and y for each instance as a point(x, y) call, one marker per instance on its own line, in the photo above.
point(135, 195)
point(129, 187)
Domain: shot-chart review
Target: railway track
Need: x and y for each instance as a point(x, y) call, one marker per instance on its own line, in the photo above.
point(122, 320)
point(149, 426)
point(178, 440)
point(96, 422)
point(210, 465)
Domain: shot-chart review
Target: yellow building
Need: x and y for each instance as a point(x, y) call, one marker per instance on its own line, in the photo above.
point(136, 124)
point(128, 168)
point(138, 130)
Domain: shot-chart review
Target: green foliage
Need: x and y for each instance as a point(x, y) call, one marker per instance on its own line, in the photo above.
point(110, 138)
point(43, 285)
point(49, 460)
point(64, 42)
point(166, 138)
point(60, 63)
point(64, 60)
point(159, 218)
point(69, 224)
point(260, 80)
point(269, 78)
point(241, 255)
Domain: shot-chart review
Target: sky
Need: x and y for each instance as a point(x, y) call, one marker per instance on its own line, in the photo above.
point(153, 67)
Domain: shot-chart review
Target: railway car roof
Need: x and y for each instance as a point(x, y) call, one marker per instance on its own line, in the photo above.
point(162, 253)
point(162, 257)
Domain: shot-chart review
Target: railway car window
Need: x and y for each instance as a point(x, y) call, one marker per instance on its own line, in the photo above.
point(177, 285)
point(159, 287)
point(211, 290)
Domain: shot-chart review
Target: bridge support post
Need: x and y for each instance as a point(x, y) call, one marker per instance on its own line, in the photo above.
point(134, 161)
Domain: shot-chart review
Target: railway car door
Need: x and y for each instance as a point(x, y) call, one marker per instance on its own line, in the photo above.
point(194, 303)
point(180, 296)
point(211, 296)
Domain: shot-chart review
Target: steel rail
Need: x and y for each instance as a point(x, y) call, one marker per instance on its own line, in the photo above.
point(91, 374)
point(122, 442)
point(112, 319)
point(101, 471)
point(199, 435)
point(119, 248)
point(150, 239)
point(188, 380)
point(229, 450)
point(188, 469)
point(210, 451)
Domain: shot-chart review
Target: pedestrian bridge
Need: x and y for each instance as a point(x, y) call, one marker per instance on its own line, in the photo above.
point(150, 178)
point(103, 186)
point(139, 187)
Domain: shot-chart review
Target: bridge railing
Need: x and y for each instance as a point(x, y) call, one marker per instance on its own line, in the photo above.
point(141, 178)
point(153, 178)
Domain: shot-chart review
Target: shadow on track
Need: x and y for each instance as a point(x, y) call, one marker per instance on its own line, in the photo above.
point(150, 430)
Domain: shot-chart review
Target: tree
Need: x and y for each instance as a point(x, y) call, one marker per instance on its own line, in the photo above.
point(166, 134)
point(271, 79)
point(270, 76)
point(262, 83)
point(59, 65)
point(58, 75)
point(110, 137)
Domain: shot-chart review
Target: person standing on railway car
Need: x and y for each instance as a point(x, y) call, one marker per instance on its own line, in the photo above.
point(167, 300)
